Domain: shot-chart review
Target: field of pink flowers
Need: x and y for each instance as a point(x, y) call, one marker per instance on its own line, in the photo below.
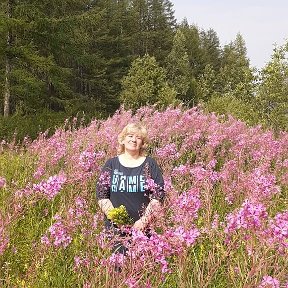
point(224, 222)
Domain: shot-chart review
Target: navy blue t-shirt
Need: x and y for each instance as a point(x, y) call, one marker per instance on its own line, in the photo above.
point(126, 186)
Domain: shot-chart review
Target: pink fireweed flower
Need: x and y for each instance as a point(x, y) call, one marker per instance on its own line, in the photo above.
point(103, 183)
point(51, 187)
point(2, 182)
point(3, 244)
point(116, 259)
point(151, 185)
point(88, 160)
point(131, 282)
point(155, 249)
point(181, 170)
point(215, 223)
point(249, 216)
point(4, 239)
point(200, 173)
point(277, 231)
point(77, 212)
point(186, 206)
point(187, 237)
point(57, 234)
point(80, 261)
point(39, 172)
point(269, 282)
point(45, 240)
point(262, 184)
point(104, 179)
point(168, 152)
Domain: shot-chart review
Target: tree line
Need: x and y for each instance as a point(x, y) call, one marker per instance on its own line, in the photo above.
point(67, 56)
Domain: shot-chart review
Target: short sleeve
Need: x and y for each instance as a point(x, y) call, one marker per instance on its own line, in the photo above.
point(104, 182)
point(157, 176)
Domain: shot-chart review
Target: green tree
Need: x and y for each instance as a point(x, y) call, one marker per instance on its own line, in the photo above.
point(193, 46)
point(235, 76)
point(146, 83)
point(152, 27)
point(273, 90)
point(177, 66)
point(39, 34)
point(211, 51)
point(206, 85)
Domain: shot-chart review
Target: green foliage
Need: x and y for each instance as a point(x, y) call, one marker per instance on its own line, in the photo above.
point(211, 50)
point(178, 66)
point(230, 105)
point(75, 57)
point(206, 85)
point(17, 126)
point(235, 76)
point(146, 84)
point(152, 25)
point(273, 90)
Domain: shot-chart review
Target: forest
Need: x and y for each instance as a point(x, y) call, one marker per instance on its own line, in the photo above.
point(86, 58)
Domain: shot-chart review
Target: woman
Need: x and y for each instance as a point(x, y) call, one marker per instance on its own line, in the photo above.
point(131, 179)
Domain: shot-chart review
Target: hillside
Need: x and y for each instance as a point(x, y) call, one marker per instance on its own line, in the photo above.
point(223, 224)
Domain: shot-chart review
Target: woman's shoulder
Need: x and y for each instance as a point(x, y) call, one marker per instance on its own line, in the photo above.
point(151, 160)
point(111, 161)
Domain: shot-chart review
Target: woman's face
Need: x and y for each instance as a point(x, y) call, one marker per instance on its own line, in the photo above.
point(133, 141)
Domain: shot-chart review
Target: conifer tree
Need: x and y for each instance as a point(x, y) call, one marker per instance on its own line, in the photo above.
point(235, 75)
point(152, 27)
point(210, 46)
point(177, 66)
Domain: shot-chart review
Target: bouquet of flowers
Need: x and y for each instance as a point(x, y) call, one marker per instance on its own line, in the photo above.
point(119, 216)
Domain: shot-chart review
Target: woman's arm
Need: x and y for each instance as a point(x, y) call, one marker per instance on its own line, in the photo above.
point(105, 205)
point(153, 209)
point(103, 189)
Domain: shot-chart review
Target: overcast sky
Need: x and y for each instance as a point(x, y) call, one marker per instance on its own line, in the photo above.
point(261, 23)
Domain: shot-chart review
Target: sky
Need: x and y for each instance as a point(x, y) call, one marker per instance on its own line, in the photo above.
point(263, 24)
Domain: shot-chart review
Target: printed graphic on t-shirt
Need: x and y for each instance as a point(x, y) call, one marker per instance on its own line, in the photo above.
point(123, 183)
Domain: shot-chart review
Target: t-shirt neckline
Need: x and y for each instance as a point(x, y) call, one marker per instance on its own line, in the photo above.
point(133, 166)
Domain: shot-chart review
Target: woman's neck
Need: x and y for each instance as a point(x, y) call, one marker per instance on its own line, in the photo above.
point(131, 160)
point(131, 156)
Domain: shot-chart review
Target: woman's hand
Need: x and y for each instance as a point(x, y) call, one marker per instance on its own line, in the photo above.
point(139, 225)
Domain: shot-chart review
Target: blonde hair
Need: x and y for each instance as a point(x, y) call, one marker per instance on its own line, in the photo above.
point(133, 128)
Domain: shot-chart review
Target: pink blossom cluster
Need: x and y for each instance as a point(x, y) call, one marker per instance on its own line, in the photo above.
point(78, 212)
point(51, 187)
point(169, 151)
point(186, 206)
point(88, 160)
point(277, 231)
point(80, 261)
point(250, 216)
point(261, 185)
point(269, 282)
point(201, 174)
point(181, 170)
point(156, 248)
point(184, 236)
point(150, 185)
point(217, 159)
point(57, 235)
